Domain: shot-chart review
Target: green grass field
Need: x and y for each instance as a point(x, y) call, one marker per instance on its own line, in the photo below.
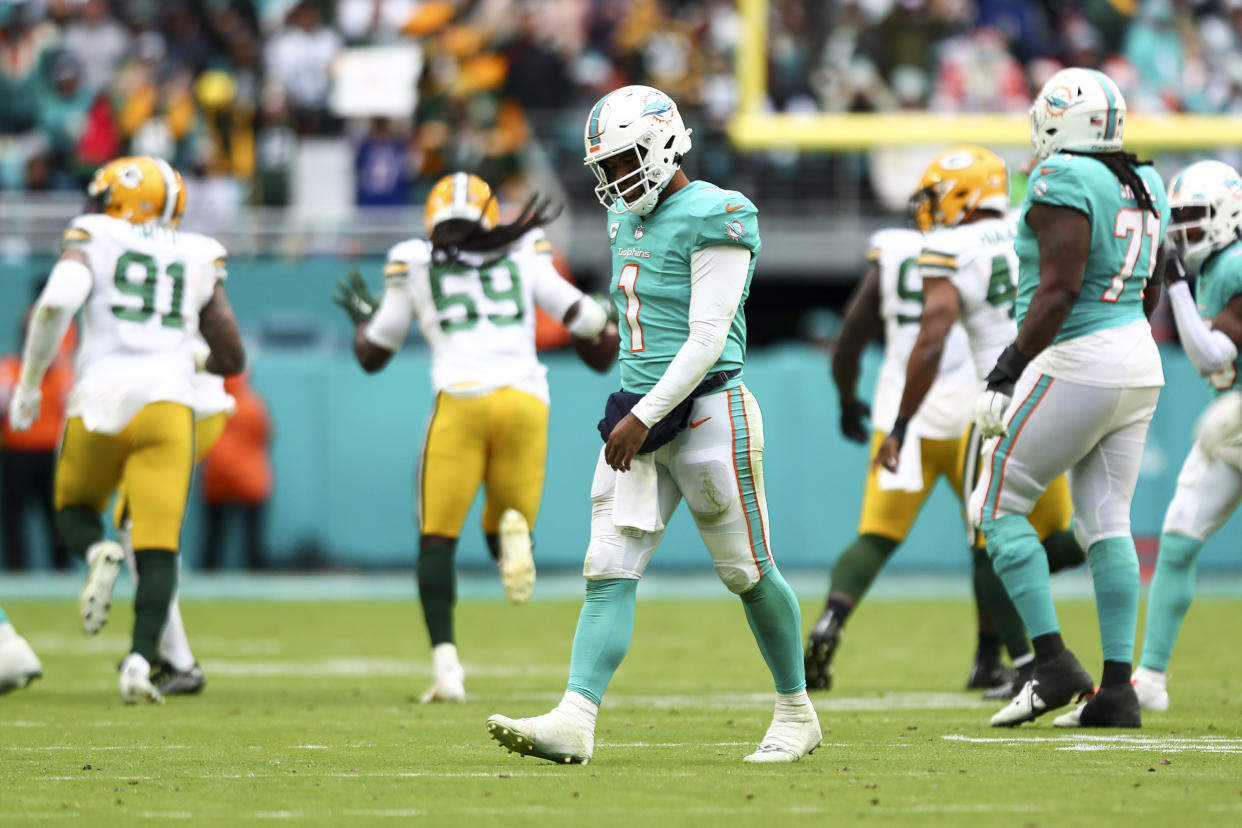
point(311, 714)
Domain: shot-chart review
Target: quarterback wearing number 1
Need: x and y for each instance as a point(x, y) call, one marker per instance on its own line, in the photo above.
point(683, 254)
point(1076, 389)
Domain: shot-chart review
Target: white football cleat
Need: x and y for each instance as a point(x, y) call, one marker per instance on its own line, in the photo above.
point(104, 559)
point(135, 682)
point(450, 683)
point(517, 565)
point(18, 663)
point(552, 736)
point(792, 735)
point(1152, 689)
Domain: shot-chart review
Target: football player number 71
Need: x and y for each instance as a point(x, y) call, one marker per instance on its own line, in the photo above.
point(626, 281)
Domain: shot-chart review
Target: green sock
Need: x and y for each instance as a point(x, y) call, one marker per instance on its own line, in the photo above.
point(1172, 589)
point(776, 621)
point(1115, 576)
point(1020, 562)
point(437, 586)
point(859, 563)
point(78, 527)
point(605, 628)
point(157, 581)
point(1063, 550)
point(993, 601)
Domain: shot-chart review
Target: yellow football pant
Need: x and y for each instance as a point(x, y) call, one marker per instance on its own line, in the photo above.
point(206, 432)
point(499, 441)
point(890, 514)
point(152, 458)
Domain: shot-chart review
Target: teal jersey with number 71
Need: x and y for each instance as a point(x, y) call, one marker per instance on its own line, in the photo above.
point(651, 277)
point(1125, 240)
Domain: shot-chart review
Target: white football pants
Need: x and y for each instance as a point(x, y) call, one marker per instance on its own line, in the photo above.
point(716, 465)
point(1208, 493)
point(1094, 435)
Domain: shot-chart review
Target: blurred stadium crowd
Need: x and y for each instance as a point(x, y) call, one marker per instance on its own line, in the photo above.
point(229, 89)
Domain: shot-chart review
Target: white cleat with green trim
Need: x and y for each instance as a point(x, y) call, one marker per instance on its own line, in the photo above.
point(95, 601)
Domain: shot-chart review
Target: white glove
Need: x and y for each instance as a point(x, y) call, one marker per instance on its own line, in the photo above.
point(1219, 430)
point(24, 407)
point(990, 411)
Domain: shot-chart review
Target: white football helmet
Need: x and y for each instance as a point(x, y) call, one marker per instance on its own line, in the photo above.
point(1206, 200)
point(1078, 109)
point(644, 122)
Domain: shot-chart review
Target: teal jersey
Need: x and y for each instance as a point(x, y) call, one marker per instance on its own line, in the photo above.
point(1124, 241)
point(651, 277)
point(1220, 280)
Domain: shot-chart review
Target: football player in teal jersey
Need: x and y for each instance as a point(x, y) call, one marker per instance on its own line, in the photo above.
point(1205, 236)
point(684, 426)
point(1075, 392)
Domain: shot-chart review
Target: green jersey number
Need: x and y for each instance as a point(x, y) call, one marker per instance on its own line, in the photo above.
point(1001, 288)
point(144, 289)
point(908, 293)
point(490, 278)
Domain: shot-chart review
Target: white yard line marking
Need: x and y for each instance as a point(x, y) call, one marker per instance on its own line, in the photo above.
point(1091, 742)
point(87, 748)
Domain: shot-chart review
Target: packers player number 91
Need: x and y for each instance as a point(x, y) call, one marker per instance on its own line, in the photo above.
point(148, 291)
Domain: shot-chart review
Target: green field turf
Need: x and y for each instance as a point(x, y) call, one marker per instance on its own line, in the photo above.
point(311, 715)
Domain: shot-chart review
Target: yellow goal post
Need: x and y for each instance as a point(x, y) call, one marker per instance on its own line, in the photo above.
point(751, 128)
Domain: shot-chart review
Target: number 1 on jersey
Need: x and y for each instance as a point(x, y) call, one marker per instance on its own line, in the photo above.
point(626, 281)
point(1130, 225)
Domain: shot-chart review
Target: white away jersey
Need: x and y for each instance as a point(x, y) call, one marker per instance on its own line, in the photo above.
point(141, 318)
point(979, 259)
point(948, 406)
point(477, 313)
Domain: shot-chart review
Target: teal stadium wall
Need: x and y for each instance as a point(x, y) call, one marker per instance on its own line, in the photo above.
point(346, 444)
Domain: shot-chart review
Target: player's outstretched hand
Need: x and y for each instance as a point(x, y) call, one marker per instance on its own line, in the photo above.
point(24, 407)
point(854, 414)
point(355, 297)
point(889, 454)
point(624, 442)
point(990, 411)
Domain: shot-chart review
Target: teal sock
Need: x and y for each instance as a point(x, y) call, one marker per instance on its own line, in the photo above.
point(602, 639)
point(859, 563)
point(1172, 589)
point(3, 617)
point(1115, 576)
point(157, 581)
point(437, 586)
point(1019, 560)
point(776, 621)
point(993, 602)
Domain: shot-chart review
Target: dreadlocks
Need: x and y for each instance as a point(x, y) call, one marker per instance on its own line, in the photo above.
point(451, 238)
point(1125, 166)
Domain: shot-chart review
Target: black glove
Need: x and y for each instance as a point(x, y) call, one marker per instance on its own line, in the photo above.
point(355, 298)
point(1174, 266)
point(1009, 366)
point(853, 416)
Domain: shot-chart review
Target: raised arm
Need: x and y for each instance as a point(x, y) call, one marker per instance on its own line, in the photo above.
point(862, 324)
point(1211, 348)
